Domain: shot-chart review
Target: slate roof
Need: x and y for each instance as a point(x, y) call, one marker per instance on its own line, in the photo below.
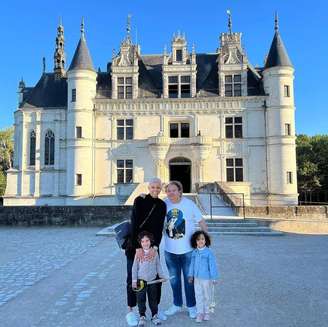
point(48, 92)
point(81, 58)
point(278, 54)
point(51, 93)
point(207, 75)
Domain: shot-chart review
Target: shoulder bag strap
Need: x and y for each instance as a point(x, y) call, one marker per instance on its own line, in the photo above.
point(150, 212)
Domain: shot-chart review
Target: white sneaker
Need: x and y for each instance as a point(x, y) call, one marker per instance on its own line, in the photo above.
point(132, 319)
point(161, 316)
point(206, 317)
point(199, 318)
point(172, 310)
point(142, 321)
point(192, 312)
point(155, 320)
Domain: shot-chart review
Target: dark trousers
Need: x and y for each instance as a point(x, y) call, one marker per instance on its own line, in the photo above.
point(151, 291)
point(131, 294)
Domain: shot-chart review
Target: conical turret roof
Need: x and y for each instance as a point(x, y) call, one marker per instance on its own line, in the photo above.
point(82, 58)
point(278, 54)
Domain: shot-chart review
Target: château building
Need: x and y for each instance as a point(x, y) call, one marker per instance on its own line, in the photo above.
point(95, 137)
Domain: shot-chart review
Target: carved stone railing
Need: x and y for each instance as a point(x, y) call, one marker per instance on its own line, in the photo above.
point(195, 140)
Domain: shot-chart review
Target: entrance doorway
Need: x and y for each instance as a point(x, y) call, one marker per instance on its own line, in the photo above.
point(180, 170)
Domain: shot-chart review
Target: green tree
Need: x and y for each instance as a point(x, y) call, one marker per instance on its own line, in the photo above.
point(312, 162)
point(320, 150)
point(2, 182)
point(6, 155)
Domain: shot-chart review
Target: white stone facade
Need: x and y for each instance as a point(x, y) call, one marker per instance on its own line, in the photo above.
point(85, 172)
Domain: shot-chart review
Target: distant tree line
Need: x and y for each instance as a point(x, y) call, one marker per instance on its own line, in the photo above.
point(311, 153)
point(312, 164)
point(6, 155)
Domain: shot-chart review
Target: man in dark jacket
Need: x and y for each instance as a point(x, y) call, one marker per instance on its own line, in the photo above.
point(148, 211)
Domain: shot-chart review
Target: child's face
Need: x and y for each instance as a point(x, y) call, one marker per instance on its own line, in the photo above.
point(200, 241)
point(145, 243)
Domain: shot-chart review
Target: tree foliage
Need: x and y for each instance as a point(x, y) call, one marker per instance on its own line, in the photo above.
point(312, 162)
point(6, 155)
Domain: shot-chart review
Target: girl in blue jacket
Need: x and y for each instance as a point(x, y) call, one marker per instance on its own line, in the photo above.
point(202, 272)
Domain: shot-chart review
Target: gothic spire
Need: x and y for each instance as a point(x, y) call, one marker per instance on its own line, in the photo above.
point(59, 55)
point(278, 55)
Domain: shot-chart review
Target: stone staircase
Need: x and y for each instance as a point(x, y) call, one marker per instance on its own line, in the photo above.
point(235, 226)
point(238, 226)
point(219, 209)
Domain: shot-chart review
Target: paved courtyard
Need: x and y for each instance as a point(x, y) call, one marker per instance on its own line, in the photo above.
point(69, 277)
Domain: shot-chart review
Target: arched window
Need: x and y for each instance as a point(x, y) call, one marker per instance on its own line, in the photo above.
point(32, 148)
point(49, 148)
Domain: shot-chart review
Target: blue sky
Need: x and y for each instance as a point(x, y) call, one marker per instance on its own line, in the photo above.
point(28, 31)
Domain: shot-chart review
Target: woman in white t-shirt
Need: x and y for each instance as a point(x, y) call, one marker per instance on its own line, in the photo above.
point(181, 217)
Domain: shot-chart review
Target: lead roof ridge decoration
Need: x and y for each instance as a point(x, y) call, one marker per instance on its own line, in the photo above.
point(231, 50)
point(129, 52)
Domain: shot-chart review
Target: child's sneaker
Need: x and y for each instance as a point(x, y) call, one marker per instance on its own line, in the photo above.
point(199, 317)
point(206, 317)
point(172, 310)
point(155, 320)
point(192, 312)
point(142, 321)
point(161, 315)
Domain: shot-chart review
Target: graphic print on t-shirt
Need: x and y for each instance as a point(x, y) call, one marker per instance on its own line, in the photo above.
point(175, 224)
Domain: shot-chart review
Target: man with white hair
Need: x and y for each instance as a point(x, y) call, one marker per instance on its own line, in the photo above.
point(148, 214)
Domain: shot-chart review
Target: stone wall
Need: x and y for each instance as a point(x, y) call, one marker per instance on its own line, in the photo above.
point(69, 216)
point(287, 212)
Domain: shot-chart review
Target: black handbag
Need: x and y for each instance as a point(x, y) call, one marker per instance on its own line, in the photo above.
point(122, 233)
point(123, 230)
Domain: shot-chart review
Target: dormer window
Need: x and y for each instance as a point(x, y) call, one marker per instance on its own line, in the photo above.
point(185, 86)
point(232, 85)
point(124, 87)
point(179, 86)
point(178, 55)
point(179, 70)
point(173, 86)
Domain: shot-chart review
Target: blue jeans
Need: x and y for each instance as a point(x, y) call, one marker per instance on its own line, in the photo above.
point(177, 263)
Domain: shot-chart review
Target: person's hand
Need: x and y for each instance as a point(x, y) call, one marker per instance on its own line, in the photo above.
point(134, 284)
point(139, 254)
point(190, 280)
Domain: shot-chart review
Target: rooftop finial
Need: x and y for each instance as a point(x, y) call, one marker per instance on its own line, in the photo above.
point(43, 65)
point(165, 50)
point(82, 27)
point(60, 21)
point(276, 22)
point(128, 27)
point(229, 21)
point(21, 84)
